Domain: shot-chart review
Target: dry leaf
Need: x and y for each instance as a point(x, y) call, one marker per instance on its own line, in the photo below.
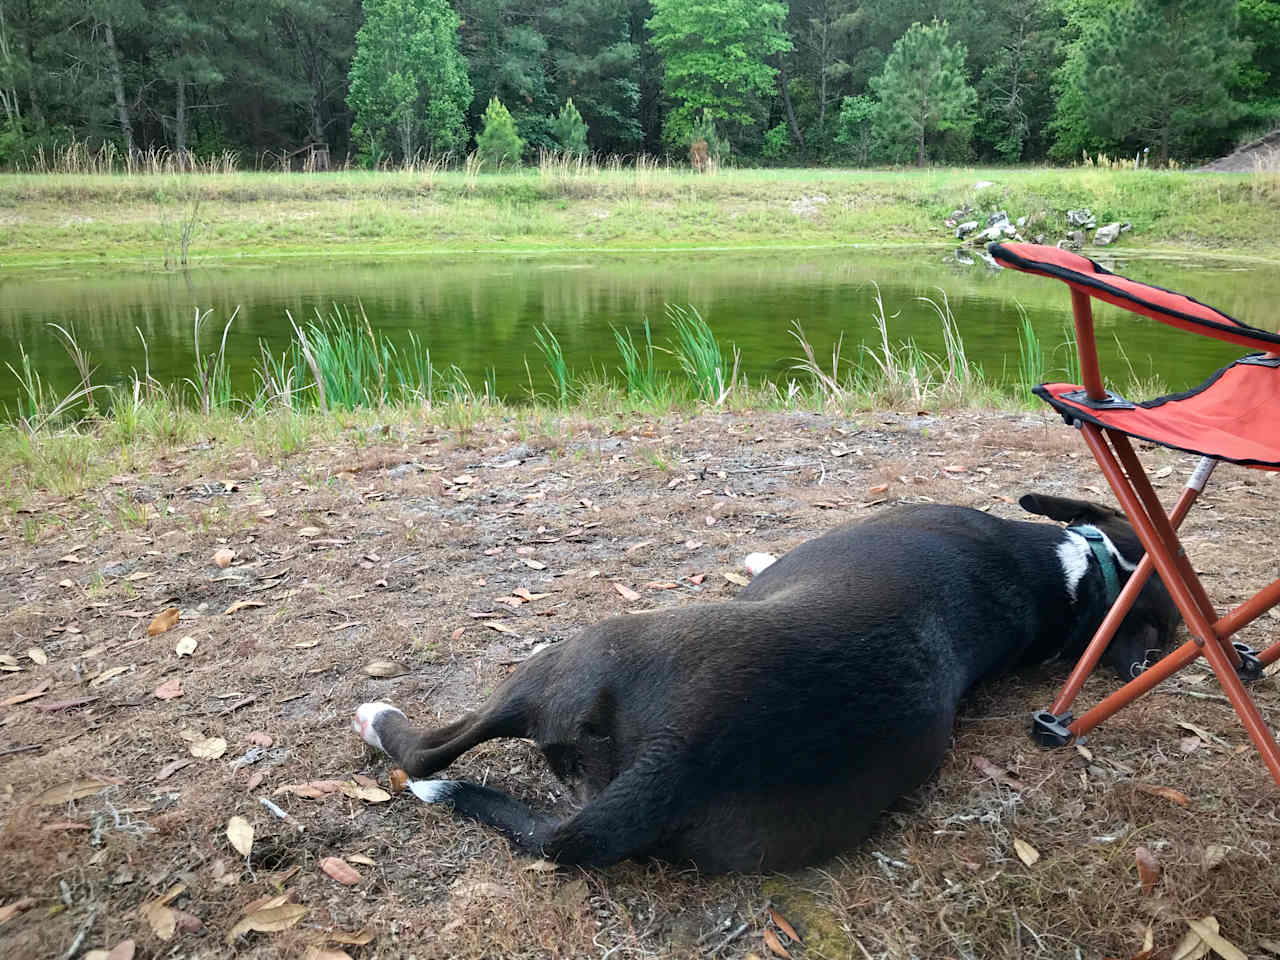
point(385, 668)
point(210, 748)
point(38, 656)
point(106, 675)
point(186, 646)
point(314, 952)
point(66, 792)
point(1028, 854)
point(11, 910)
point(359, 791)
point(1271, 946)
point(241, 605)
point(1214, 856)
point(541, 866)
point(1084, 751)
point(39, 690)
point(357, 939)
point(1191, 947)
point(240, 833)
point(737, 578)
point(1168, 793)
point(311, 790)
point(169, 769)
point(998, 774)
point(224, 557)
point(163, 919)
point(775, 945)
point(1148, 869)
point(785, 927)
point(364, 861)
point(626, 593)
point(269, 919)
point(267, 514)
point(310, 532)
point(399, 780)
point(533, 564)
point(170, 689)
point(340, 870)
point(139, 575)
point(878, 488)
point(260, 738)
point(124, 950)
point(1218, 943)
point(164, 620)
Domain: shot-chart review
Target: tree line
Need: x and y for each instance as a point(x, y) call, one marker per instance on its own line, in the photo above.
point(759, 81)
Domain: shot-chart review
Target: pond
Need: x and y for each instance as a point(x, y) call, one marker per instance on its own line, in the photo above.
point(479, 312)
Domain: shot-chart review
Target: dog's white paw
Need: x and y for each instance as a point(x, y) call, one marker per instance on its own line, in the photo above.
point(363, 722)
point(755, 562)
point(433, 791)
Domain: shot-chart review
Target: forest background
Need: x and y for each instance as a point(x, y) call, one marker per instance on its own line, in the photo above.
point(764, 82)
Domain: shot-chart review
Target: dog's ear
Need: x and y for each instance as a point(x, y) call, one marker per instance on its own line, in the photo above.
point(1067, 510)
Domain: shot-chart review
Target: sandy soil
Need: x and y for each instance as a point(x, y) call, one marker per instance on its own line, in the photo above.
point(409, 545)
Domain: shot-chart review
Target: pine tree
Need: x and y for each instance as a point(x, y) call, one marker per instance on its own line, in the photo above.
point(922, 90)
point(499, 144)
point(570, 130)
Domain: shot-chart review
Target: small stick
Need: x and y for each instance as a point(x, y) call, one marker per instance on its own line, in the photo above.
point(13, 750)
point(729, 938)
point(80, 935)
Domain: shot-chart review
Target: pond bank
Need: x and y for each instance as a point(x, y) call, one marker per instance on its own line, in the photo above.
point(159, 220)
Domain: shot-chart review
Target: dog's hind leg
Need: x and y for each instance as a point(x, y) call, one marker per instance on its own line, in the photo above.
point(423, 752)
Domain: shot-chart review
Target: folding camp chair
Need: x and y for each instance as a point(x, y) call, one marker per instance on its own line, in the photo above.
point(1233, 416)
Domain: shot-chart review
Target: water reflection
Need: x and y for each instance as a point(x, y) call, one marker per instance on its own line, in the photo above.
point(478, 312)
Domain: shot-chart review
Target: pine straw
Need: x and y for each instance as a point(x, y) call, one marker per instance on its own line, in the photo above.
point(939, 878)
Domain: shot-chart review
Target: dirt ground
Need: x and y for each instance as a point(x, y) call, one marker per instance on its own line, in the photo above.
point(123, 764)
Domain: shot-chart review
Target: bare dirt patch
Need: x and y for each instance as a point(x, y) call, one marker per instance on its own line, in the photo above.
point(412, 545)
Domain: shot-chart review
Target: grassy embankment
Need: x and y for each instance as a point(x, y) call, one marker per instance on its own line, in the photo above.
point(110, 218)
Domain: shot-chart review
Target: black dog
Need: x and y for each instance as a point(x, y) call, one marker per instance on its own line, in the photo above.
point(769, 731)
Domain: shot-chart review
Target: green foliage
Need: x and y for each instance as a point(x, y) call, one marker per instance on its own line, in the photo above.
point(409, 85)
point(777, 142)
point(715, 60)
point(923, 92)
point(569, 129)
point(855, 129)
point(1155, 73)
point(499, 144)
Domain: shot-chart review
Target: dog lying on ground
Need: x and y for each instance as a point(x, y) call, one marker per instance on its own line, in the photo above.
point(769, 731)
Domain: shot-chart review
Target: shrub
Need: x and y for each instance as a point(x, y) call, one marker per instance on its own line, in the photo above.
point(499, 142)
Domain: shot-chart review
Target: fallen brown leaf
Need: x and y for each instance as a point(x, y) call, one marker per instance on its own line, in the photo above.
point(38, 656)
point(11, 910)
point(170, 689)
point(311, 790)
point(385, 668)
point(224, 557)
point(106, 675)
point(1217, 943)
point(340, 870)
point(210, 748)
point(785, 927)
point(242, 605)
point(169, 769)
point(75, 790)
point(1214, 856)
point(775, 945)
point(997, 773)
point(626, 593)
point(240, 833)
point(163, 621)
point(162, 918)
point(1167, 793)
point(260, 738)
point(269, 919)
point(360, 791)
point(737, 578)
point(1148, 869)
point(357, 939)
point(364, 861)
point(1028, 854)
point(39, 690)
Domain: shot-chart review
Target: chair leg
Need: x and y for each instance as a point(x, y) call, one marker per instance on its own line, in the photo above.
point(1135, 495)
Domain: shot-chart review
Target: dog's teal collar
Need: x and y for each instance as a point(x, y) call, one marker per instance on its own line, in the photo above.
point(1098, 544)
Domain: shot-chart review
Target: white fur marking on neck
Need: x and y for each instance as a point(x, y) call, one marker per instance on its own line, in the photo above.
point(1074, 554)
point(362, 722)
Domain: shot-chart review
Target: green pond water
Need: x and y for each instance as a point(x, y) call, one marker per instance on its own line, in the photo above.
point(479, 311)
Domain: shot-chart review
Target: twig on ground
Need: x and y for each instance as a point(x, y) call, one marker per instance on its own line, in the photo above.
point(733, 935)
point(83, 932)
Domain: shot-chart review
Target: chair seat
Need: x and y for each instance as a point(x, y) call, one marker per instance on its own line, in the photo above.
point(1231, 416)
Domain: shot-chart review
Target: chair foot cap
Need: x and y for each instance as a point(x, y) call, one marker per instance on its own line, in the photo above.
point(1050, 730)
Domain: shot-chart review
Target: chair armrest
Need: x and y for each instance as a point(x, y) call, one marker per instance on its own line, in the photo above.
point(1086, 277)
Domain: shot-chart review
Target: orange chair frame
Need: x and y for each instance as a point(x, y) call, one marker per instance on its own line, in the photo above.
point(1210, 632)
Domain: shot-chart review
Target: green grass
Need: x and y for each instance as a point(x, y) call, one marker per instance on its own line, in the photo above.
point(113, 218)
